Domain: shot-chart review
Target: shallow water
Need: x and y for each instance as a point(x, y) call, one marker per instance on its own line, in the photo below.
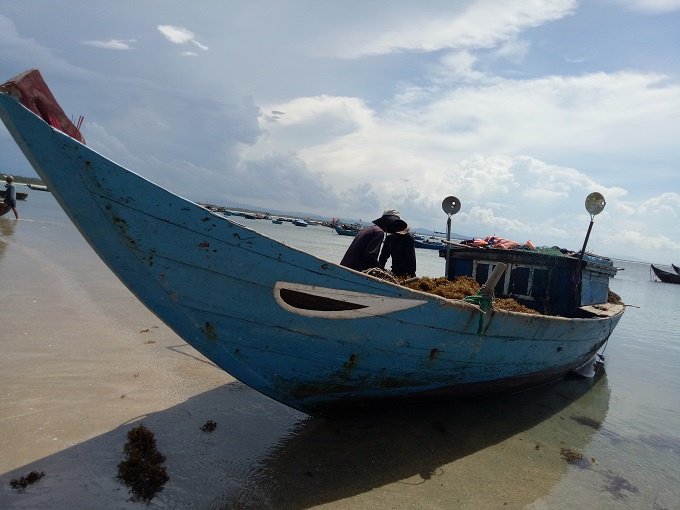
point(509, 452)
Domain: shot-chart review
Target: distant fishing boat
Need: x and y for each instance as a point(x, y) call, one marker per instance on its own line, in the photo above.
point(305, 331)
point(347, 230)
point(300, 223)
point(666, 276)
point(428, 243)
point(37, 187)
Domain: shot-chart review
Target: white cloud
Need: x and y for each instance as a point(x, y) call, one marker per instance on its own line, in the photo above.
point(112, 44)
point(637, 240)
point(462, 65)
point(650, 6)
point(180, 35)
point(514, 50)
point(666, 204)
point(199, 45)
point(176, 35)
point(593, 112)
point(417, 150)
point(309, 121)
point(482, 24)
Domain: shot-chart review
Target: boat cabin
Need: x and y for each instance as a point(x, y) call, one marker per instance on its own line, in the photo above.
point(550, 282)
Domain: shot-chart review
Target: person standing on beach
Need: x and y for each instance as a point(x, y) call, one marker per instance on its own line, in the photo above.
point(10, 197)
point(364, 250)
point(401, 246)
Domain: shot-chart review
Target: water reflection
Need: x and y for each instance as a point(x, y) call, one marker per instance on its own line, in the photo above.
point(329, 460)
point(7, 227)
point(6, 231)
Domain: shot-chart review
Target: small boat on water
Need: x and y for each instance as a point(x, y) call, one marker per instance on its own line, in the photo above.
point(347, 230)
point(21, 195)
point(666, 276)
point(37, 187)
point(300, 223)
point(277, 221)
point(428, 243)
point(302, 330)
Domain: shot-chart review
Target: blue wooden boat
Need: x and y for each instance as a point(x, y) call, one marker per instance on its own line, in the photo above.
point(305, 331)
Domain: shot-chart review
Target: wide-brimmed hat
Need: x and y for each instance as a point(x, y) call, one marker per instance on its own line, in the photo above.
point(390, 221)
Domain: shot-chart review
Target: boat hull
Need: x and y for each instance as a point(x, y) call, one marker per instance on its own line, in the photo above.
point(305, 331)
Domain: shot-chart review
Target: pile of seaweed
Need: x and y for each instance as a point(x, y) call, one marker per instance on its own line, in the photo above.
point(142, 470)
point(460, 287)
point(20, 484)
point(614, 298)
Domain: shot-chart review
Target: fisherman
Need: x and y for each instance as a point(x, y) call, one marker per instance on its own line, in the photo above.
point(10, 198)
point(364, 250)
point(401, 246)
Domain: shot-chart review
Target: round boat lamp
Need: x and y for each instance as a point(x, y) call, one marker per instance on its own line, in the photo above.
point(451, 205)
point(595, 203)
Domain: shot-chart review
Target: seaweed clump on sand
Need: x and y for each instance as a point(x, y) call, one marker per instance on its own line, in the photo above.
point(461, 287)
point(576, 458)
point(21, 483)
point(142, 470)
point(209, 426)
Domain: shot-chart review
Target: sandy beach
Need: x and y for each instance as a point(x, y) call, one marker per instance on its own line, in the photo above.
point(83, 362)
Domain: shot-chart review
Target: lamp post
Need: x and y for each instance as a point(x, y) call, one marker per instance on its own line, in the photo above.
point(595, 203)
point(450, 205)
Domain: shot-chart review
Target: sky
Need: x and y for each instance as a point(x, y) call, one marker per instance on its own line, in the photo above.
point(519, 108)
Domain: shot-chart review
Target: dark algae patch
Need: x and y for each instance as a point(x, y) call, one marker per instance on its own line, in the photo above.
point(209, 426)
point(571, 456)
point(21, 483)
point(142, 470)
point(576, 458)
point(586, 421)
point(619, 487)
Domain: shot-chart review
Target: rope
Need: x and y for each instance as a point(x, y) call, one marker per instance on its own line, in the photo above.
point(483, 301)
point(380, 273)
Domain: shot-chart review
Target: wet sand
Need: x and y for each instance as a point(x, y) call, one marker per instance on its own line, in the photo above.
point(83, 361)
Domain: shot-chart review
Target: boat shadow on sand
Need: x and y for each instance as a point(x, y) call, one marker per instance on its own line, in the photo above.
point(265, 455)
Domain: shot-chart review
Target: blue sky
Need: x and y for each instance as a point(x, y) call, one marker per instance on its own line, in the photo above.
point(518, 108)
